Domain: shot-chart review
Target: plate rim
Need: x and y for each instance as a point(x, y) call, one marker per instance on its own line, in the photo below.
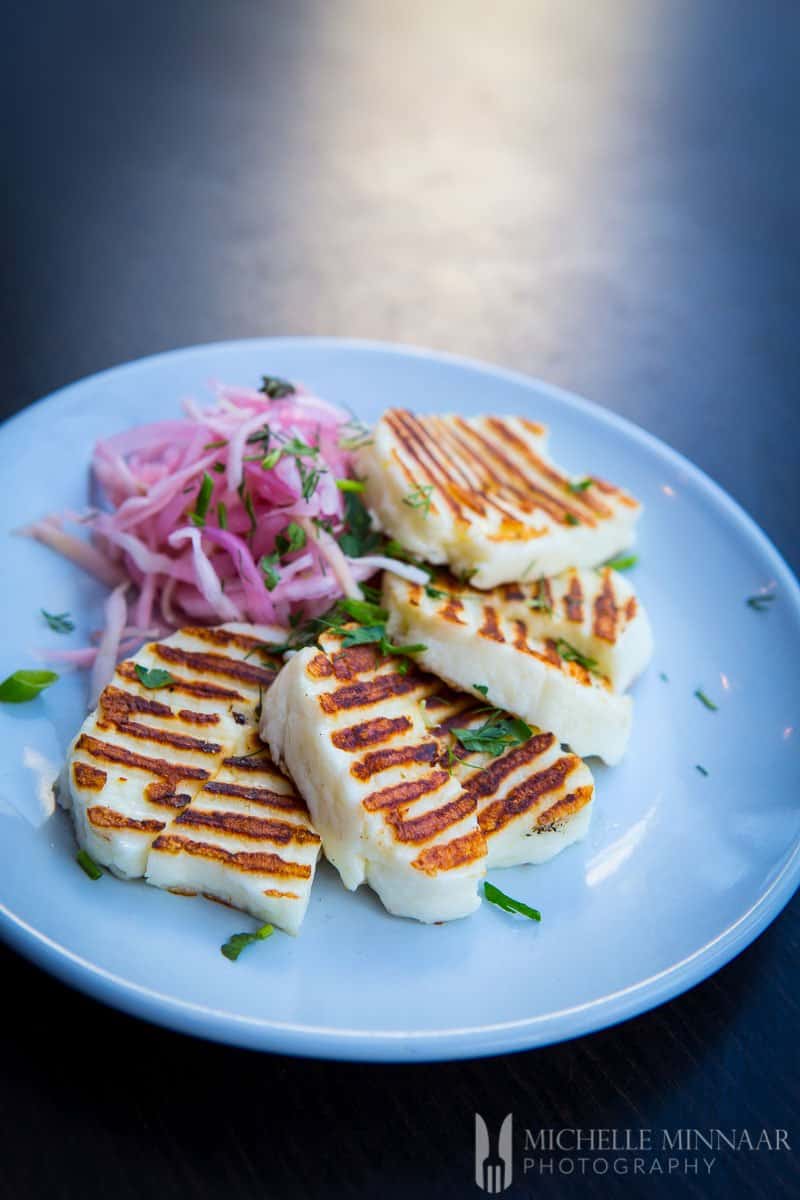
point(449, 1043)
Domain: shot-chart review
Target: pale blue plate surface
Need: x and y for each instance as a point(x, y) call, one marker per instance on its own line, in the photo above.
point(679, 871)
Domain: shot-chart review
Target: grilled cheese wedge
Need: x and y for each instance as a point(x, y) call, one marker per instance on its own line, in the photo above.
point(398, 801)
point(481, 494)
point(469, 640)
point(145, 765)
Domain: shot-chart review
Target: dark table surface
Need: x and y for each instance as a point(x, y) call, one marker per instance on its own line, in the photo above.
point(603, 194)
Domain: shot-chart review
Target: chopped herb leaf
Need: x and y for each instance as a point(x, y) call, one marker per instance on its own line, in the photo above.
point(270, 460)
point(247, 501)
point(350, 485)
point(370, 593)
point(239, 941)
point(308, 480)
point(25, 685)
point(580, 486)
point(482, 688)
point(434, 593)
point(360, 538)
point(58, 622)
point(215, 445)
point(222, 515)
point(275, 387)
point(497, 734)
point(663, 676)
point(219, 467)
point(154, 678)
point(357, 434)
point(88, 865)
point(508, 903)
point(568, 652)
point(622, 562)
point(703, 698)
point(293, 538)
point(540, 602)
point(571, 519)
point(420, 498)
point(761, 602)
point(363, 611)
point(323, 523)
point(198, 517)
point(272, 575)
point(702, 770)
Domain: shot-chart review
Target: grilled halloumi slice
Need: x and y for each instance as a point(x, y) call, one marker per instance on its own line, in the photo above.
point(533, 800)
point(349, 727)
point(398, 801)
point(481, 494)
point(246, 839)
point(470, 641)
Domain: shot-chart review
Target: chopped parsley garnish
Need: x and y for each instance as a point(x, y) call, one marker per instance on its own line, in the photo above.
point(270, 460)
point(58, 622)
point(276, 388)
point(580, 486)
point(372, 594)
point(219, 467)
point(25, 685)
point(568, 652)
point(433, 592)
point(88, 865)
point(350, 485)
point(509, 904)
point(198, 517)
point(420, 498)
point(154, 678)
point(222, 515)
point(323, 523)
point(482, 688)
point(663, 676)
point(292, 538)
point(540, 602)
point(623, 562)
point(702, 770)
point(269, 570)
point(498, 733)
point(571, 519)
point(760, 602)
point(363, 611)
point(367, 635)
point(308, 479)
point(216, 446)
point(247, 501)
point(360, 538)
point(703, 698)
point(240, 941)
point(357, 435)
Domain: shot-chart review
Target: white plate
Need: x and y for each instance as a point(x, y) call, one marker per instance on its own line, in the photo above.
point(679, 871)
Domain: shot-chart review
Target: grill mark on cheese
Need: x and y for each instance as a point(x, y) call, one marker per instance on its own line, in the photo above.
point(88, 777)
point(630, 608)
point(185, 687)
point(239, 860)
point(605, 610)
point(405, 793)
point(107, 818)
point(215, 636)
point(256, 795)
point(246, 826)
point(416, 445)
point(163, 737)
point(546, 471)
point(368, 692)
point(354, 661)
point(428, 825)
point(116, 704)
point(215, 664)
point(461, 851)
point(521, 637)
point(369, 733)
point(319, 667)
point(107, 752)
point(396, 756)
point(279, 895)
point(161, 793)
point(199, 718)
point(486, 782)
point(526, 795)
point(573, 600)
point(451, 610)
point(566, 807)
point(455, 720)
point(511, 591)
point(252, 762)
point(490, 628)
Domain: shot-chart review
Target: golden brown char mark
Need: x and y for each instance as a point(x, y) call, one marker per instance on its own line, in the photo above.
point(405, 793)
point(178, 741)
point(369, 733)
point(368, 692)
point(429, 824)
point(393, 756)
point(490, 628)
point(525, 795)
point(108, 818)
point(486, 782)
point(255, 795)
point(246, 826)
point(199, 689)
point(566, 807)
point(469, 848)
point(117, 705)
point(573, 600)
point(240, 860)
point(605, 610)
point(161, 792)
point(215, 664)
point(226, 637)
point(106, 752)
point(87, 777)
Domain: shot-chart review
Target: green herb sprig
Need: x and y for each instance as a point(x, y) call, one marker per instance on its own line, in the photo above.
point(509, 904)
point(23, 686)
point(154, 678)
point(569, 653)
point(239, 941)
point(58, 622)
